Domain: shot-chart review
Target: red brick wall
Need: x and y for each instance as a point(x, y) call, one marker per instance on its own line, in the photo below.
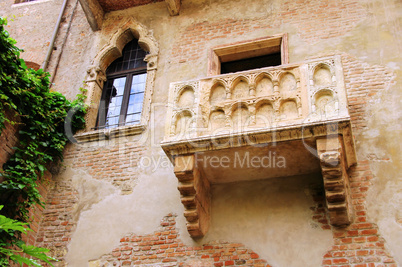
point(315, 20)
point(113, 163)
point(57, 221)
point(8, 138)
point(358, 245)
point(164, 247)
point(36, 212)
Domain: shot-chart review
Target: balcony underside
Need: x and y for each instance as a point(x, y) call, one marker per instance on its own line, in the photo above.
point(204, 161)
point(95, 9)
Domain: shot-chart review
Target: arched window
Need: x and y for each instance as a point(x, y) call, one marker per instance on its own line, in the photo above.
point(123, 92)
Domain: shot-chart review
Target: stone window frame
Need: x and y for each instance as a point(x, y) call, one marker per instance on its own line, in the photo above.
point(23, 1)
point(128, 74)
point(19, 3)
point(247, 49)
point(96, 76)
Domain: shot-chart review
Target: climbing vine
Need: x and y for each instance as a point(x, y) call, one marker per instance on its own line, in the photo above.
point(41, 115)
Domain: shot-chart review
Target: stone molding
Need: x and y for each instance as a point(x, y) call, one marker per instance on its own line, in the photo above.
point(96, 76)
point(106, 134)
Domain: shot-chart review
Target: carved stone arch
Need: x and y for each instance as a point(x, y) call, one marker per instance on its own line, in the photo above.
point(177, 116)
point(126, 32)
point(288, 81)
point(240, 115)
point(238, 91)
point(179, 95)
point(216, 95)
point(220, 81)
point(96, 74)
point(264, 84)
point(325, 67)
point(264, 112)
point(263, 101)
point(238, 79)
point(239, 104)
point(288, 108)
point(263, 75)
point(183, 112)
point(217, 118)
point(325, 101)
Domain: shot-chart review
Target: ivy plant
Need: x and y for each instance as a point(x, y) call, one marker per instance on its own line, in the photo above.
point(40, 115)
point(10, 227)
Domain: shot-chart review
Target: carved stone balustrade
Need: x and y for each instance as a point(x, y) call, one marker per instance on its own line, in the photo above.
point(280, 118)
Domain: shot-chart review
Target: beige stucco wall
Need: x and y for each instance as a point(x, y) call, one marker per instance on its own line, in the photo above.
point(271, 217)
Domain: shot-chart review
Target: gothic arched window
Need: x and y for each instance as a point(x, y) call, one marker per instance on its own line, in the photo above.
point(123, 92)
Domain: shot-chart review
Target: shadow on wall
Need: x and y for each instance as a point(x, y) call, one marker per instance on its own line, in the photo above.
point(269, 215)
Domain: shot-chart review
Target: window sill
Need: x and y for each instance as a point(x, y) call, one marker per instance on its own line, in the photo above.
point(106, 134)
point(22, 4)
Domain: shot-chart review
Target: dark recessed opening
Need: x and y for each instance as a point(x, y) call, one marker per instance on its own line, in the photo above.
point(251, 63)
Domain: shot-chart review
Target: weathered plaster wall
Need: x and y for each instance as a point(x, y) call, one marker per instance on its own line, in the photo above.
point(88, 214)
point(32, 25)
point(77, 53)
point(269, 216)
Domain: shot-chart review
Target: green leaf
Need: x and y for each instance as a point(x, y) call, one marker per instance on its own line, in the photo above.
point(7, 224)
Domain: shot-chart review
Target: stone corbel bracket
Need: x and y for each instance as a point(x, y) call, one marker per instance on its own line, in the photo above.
point(173, 7)
point(194, 194)
point(336, 180)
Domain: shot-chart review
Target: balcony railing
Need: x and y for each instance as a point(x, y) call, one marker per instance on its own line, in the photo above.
point(257, 101)
point(301, 109)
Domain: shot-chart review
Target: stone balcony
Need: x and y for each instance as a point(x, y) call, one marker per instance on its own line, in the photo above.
point(278, 121)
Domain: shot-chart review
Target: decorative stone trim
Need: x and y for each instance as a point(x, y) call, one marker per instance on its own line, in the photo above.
point(194, 194)
point(105, 134)
point(336, 181)
point(96, 77)
point(260, 136)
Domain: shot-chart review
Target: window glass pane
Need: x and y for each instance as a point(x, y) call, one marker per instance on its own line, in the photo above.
point(136, 98)
point(132, 57)
point(133, 118)
point(118, 87)
point(112, 121)
point(115, 100)
point(143, 77)
point(134, 108)
point(138, 83)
